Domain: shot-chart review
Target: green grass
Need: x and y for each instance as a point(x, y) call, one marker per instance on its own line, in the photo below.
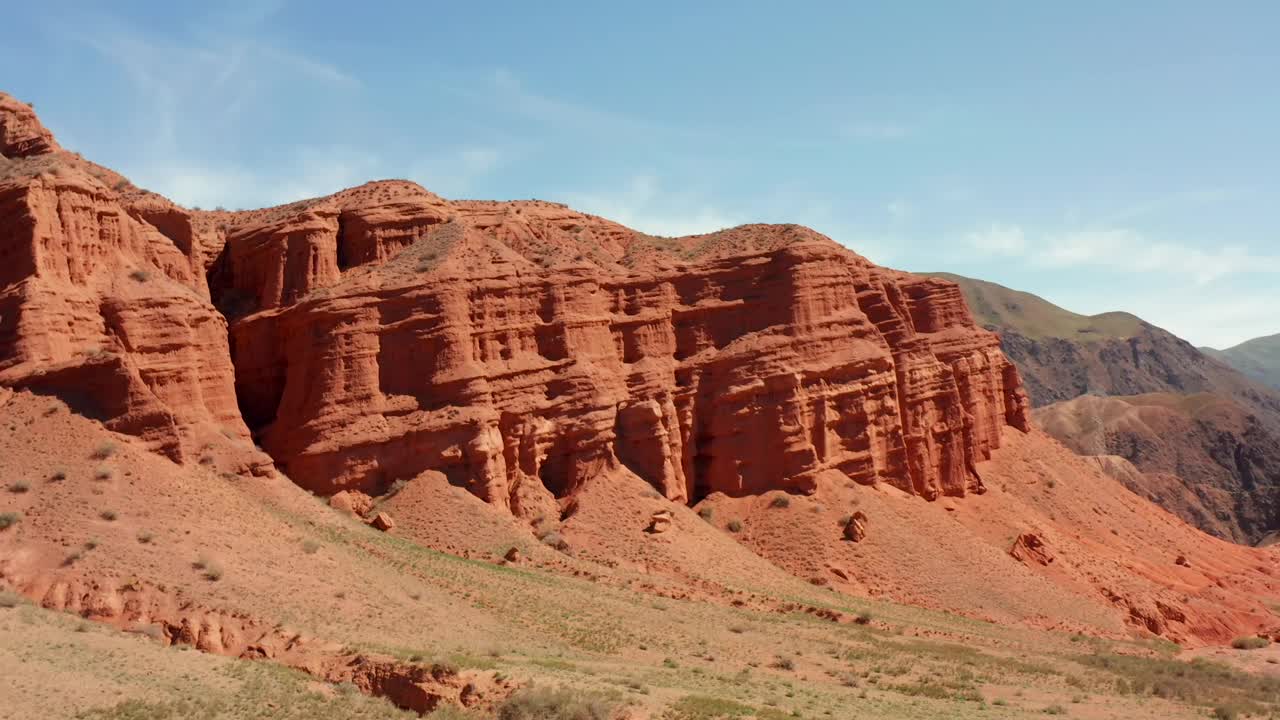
point(702, 707)
point(262, 690)
point(1250, 643)
point(1199, 682)
point(539, 703)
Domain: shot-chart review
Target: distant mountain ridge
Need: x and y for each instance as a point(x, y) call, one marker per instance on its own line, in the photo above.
point(1258, 358)
point(1204, 435)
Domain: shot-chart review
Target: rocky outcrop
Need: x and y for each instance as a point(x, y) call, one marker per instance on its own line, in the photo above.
point(1029, 548)
point(855, 528)
point(103, 309)
point(21, 133)
point(523, 348)
point(1202, 457)
point(1201, 437)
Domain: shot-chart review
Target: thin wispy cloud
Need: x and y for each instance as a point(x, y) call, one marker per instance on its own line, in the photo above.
point(998, 239)
point(1120, 250)
point(453, 173)
point(185, 91)
point(642, 204)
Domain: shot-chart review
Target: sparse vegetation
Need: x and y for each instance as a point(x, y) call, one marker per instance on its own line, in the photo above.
point(701, 707)
point(555, 540)
point(538, 703)
point(104, 451)
point(213, 571)
point(705, 513)
point(1250, 643)
point(9, 519)
point(58, 475)
point(9, 599)
point(140, 275)
point(145, 537)
point(19, 486)
point(310, 547)
point(734, 526)
point(780, 501)
point(103, 474)
point(1200, 681)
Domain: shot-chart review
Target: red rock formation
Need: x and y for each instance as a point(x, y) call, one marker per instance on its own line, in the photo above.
point(21, 133)
point(523, 348)
point(101, 307)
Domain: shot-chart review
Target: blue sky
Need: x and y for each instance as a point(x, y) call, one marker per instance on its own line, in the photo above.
point(1104, 155)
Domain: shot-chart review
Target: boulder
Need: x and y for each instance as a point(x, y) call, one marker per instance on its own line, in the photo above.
point(855, 528)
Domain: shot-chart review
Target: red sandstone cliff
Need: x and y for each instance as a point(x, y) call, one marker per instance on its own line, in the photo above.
point(523, 348)
point(102, 303)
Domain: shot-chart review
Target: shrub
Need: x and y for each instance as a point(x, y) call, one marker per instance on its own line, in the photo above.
point(536, 703)
point(102, 473)
point(310, 547)
point(1250, 643)
point(452, 712)
point(19, 486)
point(213, 572)
point(705, 513)
point(734, 526)
point(8, 520)
point(1226, 712)
point(140, 275)
point(145, 537)
point(1055, 710)
point(108, 515)
point(104, 451)
point(9, 600)
point(556, 541)
point(780, 501)
point(58, 475)
point(782, 662)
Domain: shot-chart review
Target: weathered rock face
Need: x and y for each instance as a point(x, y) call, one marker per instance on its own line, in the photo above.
point(100, 307)
point(1202, 457)
point(21, 133)
point(1204, 437)
point(522, 349)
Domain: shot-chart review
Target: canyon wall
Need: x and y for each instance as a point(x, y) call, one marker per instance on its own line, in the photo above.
point(100, 307)
point(523, 348)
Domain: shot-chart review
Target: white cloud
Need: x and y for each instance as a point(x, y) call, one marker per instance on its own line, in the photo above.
point(452, 173)
point(312, 172)
point(1120, 250)
point(643, 206)
point(185, 90)
point(998, 239)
